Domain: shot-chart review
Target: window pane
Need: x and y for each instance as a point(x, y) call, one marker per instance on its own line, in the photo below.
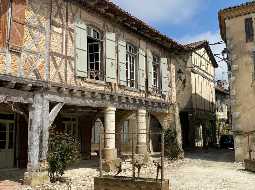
point(124, 136)
point(96, 56)
point(91, 49)
point(96, 47)
point(10, 146)
point(91, 57)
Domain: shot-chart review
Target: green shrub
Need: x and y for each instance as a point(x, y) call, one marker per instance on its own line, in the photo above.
point(172, 148)
point(64, 149)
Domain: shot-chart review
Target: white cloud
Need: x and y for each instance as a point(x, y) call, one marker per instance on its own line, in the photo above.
point(172, 11)
point(212, 37)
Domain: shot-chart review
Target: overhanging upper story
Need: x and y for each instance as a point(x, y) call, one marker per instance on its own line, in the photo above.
point(85, 47)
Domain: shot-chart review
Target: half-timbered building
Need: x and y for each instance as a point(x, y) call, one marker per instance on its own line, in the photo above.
point(81, 66)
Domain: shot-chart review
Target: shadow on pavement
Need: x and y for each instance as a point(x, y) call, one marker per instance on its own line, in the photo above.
point(211, 154)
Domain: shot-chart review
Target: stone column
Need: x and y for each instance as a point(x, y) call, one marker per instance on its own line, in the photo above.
point(109, 152)
point(141, 147)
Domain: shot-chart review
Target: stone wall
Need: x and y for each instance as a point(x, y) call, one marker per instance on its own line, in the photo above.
point(241, 83)
point(109, 183)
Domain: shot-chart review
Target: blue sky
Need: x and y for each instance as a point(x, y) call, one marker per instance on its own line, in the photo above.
point(183, 20)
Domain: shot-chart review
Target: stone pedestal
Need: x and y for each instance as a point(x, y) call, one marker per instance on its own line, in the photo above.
point(141, 147)
point(125, 183)
point(109, 151)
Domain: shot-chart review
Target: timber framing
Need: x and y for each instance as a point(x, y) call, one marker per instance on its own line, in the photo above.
point(21, 90)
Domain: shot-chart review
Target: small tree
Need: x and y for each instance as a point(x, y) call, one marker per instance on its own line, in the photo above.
point(64, 149)
point(172, 148)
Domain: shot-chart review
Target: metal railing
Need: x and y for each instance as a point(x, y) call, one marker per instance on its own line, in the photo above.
point(161, 164)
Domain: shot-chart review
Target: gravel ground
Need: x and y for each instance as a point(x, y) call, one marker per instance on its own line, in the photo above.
point(210, 170)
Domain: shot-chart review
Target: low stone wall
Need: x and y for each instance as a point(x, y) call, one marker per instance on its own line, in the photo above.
point(124, 183)
point(249, 165)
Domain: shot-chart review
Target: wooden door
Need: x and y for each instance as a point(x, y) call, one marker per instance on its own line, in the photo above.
point(7, 135)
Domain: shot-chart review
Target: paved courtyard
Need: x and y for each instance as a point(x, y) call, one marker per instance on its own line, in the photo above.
point(207, 170)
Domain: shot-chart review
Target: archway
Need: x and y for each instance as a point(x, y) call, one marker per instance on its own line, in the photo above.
point(155, 129)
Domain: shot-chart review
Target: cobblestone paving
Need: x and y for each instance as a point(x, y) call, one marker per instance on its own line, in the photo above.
point(210, 170)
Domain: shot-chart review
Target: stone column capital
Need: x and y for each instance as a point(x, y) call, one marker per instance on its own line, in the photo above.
point(110, 109)
point(141, 112)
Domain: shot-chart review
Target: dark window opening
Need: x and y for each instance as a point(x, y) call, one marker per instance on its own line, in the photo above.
point(156, 74)
point(131, 64)
point(249, 31)
point(95, 70)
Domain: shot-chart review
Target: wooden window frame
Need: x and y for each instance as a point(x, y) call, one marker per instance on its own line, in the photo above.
point(156, 74)
point(131, 54)
point(96, 35)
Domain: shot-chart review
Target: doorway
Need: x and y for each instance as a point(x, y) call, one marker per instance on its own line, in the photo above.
point(7, 141)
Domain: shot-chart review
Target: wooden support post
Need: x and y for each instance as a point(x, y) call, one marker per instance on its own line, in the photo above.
point(34, 128)
point(54, 112)
point(45, 129)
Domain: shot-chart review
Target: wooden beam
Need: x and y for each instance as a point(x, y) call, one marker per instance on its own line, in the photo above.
point(12, 95)
point(54, 112)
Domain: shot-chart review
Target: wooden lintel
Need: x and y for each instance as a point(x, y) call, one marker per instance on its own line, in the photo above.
point(8, 84)
point(13, 95)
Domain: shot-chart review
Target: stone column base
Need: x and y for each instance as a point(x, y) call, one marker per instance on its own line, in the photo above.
point(109, 154)
point(111, 165)
point(141, 149)
point(36, 178)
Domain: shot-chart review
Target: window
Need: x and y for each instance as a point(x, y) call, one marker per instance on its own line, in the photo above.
point(249, 29)
point(94, 54)
point(156, 74)
point(96, 131)
point(124, 135)
point(131, 64)
point(70, 125)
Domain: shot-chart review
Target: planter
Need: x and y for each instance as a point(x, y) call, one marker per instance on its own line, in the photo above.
point(249, 165)
point(125, 183)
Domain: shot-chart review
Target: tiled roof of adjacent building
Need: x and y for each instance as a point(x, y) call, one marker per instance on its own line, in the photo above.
point(112, 11)
point(221, 90)
point(202, 44)
point(231, 12)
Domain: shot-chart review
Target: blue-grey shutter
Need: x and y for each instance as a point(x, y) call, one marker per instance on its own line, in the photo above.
point(164, 76)
point(150, 70)
point(141, 70)
point(122, 62)
point(110, 50)
point(81, 48)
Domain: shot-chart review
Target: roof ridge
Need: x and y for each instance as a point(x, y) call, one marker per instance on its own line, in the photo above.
point(237, 6)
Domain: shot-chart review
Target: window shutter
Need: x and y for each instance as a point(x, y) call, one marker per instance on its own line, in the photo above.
point(122, 62)
point(110, 49)
point(150, 70)
point(3, 22)
point(164, 76)
point(141, 70)
point(17, 24)
point(81, 48)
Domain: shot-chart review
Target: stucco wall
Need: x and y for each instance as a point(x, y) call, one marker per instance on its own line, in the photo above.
point(241, 82)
